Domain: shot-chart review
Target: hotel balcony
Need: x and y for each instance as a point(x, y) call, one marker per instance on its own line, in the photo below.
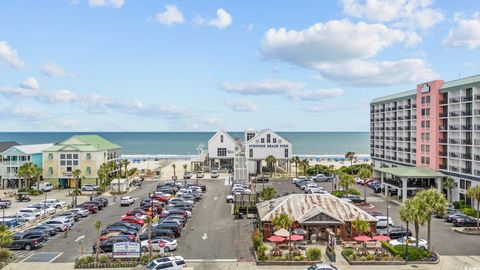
point(477, 172)
point(467, 127)
point(454, 141)
point(454, 155)
point(442, 154)
point(477, 127)
point(476, 157)
point(454, 127)
point(443, 128)
point(477, 97)
point(476, 142)
point(453, 169)
point(467, 170)
point(466, 156)
point(455, 100)
point(443, 114)
point(443, 167)
point(454, 113)
point(467, 142)
point(443, 102)
point(476, 112)
point(442, 140)
point(466, 99)
point(467, 113)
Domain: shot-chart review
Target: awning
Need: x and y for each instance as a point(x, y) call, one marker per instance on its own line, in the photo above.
point(412, 172)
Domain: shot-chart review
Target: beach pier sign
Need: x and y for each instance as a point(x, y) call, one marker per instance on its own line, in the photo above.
point(126, 250)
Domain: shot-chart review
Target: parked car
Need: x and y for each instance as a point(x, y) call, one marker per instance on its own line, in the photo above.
point(411, 241)
point(52, 230)
point(199, 174)
point(91, 208)
point(452, 216)
point(157, 233)
point(176, 228)
point(4, 203)
point(60, 225)
point(43, 208)
point(464, 222)
point(44, 186)
point(167, 263)
point(126, 201)
point(10, 222)
point(382, 221)
point(127, 225)
point(55, 203)
point(30, 211)
point(169, 244)
point(26, 241)
point(214, 174)
point(394, 232)
point(262, 179)
point(102, 200)
point(89, 187)
point(80, 211)
point(133, 220)
point(187, 175)
point(107, 245)
point(322, 266)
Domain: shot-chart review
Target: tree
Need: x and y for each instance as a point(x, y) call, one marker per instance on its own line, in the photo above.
point(102, 174)
point(474, 193)
point(270, 163)
point(149, 221)
point(449, 184)
point(365, 173)
point(76, 173)
point(305, 164)
point(124, 163)
point(5, 236)
point(37, 174)
point(346, 180)
point(268, 193)
point(361, 226)
point(412, 211)
point(433, 202)
point(185, 166)
point(26, 171)
point(282, 221)
point(98, 225)
point(174, 166)
point(350, 156)
point(295, 160)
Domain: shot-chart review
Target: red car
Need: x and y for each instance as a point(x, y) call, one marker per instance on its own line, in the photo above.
point(160, 198)
point(133, 220)
point(92, 208)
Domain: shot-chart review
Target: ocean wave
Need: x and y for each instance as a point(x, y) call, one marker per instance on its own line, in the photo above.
point(173, 156)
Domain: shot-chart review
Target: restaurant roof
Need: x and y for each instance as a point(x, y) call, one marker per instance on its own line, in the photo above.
point(412, 172)
point(84, 143)
point(303, 207)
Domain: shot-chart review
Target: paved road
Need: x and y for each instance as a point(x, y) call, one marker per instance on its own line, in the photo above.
point(444, 240)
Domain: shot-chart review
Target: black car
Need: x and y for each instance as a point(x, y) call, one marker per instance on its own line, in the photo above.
point(98, 203)
point(466, 221)
point(50, 229)
point(101, 199)
point(127, 225)
point(26, 241)
point(262, 179)
point(42, 232)
point(177, 229)
point(157, 233)
point(107, 245)
point(145, 201)
point(118, 229)
point(395, 232)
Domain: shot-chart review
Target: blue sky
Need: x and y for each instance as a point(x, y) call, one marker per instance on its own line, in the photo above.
point(152, 65)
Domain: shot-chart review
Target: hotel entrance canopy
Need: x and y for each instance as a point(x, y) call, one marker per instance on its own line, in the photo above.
point(412, 172)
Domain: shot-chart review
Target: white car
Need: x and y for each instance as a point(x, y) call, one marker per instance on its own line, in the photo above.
point(411, 241)
point(30, 211)
point(25, 216)
point(382, 221)
point(45, 210)
point(55, 203)
point(299, 178)
point(230, 198)
point(309, 186)
point(45, 186)
point(318, 190)
point(60, 225)
point(66, 219)
point(89, 187)
point(214, 174)
point(167, 263)
point(82, 212)
point(170, 244)
point(127, 201)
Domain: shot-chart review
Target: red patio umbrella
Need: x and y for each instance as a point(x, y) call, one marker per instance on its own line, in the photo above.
point(275, 239)
point(381, 238)
point(295, 237)
point(362, 238)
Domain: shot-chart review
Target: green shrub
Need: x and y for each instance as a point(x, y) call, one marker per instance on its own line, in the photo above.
point(338, 193)
point(257, 239)
point(103, 259)
point(85, 260)
point(5, 255)
point(353, 191)
point(469, 211)
point(369, 257)
point(314, 254)
point(363, 258)
point(348, 251)
point(261, 252)
point(298, 258)
point(414, 253)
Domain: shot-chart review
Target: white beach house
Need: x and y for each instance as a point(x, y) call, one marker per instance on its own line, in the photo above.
point(221, 150)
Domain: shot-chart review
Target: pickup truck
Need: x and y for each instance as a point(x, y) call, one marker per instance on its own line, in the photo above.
point(5, 203)
point(27, 241)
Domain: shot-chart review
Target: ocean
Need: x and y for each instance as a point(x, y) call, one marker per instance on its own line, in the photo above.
point(187, 143)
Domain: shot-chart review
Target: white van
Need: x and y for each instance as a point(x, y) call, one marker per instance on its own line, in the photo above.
point(45, 186)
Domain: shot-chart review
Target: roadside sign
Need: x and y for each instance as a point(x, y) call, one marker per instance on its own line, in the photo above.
point(126, 250)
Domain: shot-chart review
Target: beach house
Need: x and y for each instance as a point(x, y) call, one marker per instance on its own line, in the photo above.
point(14, 157)
point(83, 152)
point(221, 150)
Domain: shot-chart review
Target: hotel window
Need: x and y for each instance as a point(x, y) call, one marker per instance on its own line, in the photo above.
point(262, 140)
point(427, 123)
point(89, 171)
point(222, 152)
point(250, 152)
point(89, 156)
point(427, 148)
point(50, 156)
point(50, 171)
point(221, 138)
point(427, 136)
point(274, 140)
point(286, 152)
point(69, 159)
point(427, 111)
point(268, 138)
point(427, 99)
point(427, 160)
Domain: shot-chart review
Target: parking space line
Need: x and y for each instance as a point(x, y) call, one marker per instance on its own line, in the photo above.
point(210, 260)
point(28, 257)
point(56, 257)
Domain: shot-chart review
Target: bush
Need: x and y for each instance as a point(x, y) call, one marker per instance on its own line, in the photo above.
point(469, 211)
point(338, 193)
point(257, 239)
point(261, 252)
point(103, 259)
point(144, 258)
point(414, 253)
point(353, 191)
point(348, 251)
point(298, 258)
point(85, 260)
point(369, 257)
point(314, 254)
point(5, 255)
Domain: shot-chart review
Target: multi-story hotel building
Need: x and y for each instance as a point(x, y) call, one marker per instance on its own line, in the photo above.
point(435, 128)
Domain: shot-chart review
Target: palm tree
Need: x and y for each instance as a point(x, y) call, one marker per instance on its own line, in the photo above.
point(124, 163)
point(268, 193)
point(433, 202)
point(270, 162)
point(98, 225)
point(25, 171)
point(449, 184)
point(361, 226)
point(76, 173)
point(174, 166)
point(305, 164)
point(412, 211)
point(350, 156)
point(5, 236)
point(295, 160)
point(37, 173)
point(474, 193)
point(346, 180)
point(365, 173)
point(149, 221)
point(282, 221)
point(102, 174)
point(185, 168)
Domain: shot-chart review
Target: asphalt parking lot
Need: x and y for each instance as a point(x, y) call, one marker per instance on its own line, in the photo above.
point(444, 240)
point(210, 235)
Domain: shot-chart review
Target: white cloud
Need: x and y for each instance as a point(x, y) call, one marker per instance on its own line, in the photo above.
point(466, 32)
point(332, 41)
point(107, 3)
point(172, 15)
point(328, 107)
point(10, 57)
point(369, 73)
point(223, 19)
point(22, 113)
point(266, 87)
point(403, 13)
point(244, 105)
point(57, 97)
point(30, 83)
point(313, 95)
point(53, 70)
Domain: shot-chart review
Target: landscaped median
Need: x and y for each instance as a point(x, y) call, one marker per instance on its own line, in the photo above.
point(105, 261)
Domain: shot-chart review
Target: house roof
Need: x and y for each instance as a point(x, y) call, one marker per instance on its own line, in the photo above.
point(461, 82)
point(6, 145)
point(30, 149)
point(412, 172)
point(397, 96)
point(221, 131)
point(83, 143)
point(263, 131)
point(302, 207)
